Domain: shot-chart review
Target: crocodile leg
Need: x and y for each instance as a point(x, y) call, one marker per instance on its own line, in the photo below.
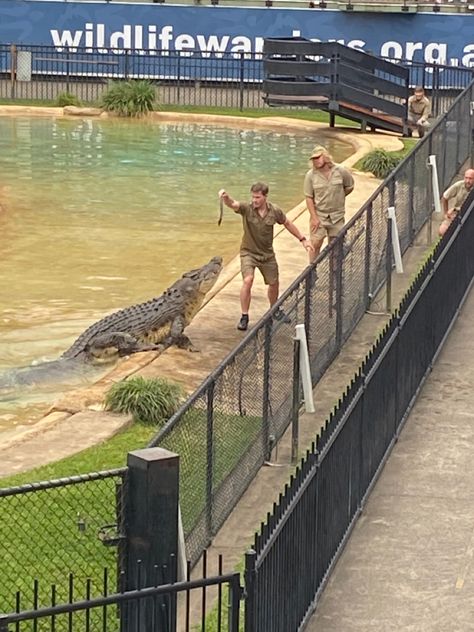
point(178, 337)
point(118, 341)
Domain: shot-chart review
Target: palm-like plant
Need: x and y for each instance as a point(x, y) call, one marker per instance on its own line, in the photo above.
point(129, 98)
point(150, 401)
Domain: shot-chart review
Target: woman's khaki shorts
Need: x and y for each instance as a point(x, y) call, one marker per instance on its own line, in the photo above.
point(268, 267)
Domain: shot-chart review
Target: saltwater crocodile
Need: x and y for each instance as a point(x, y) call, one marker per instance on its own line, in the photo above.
point(153, 325)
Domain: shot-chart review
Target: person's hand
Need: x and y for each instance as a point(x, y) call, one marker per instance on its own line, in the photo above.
point(308, 246)
point(314, 224)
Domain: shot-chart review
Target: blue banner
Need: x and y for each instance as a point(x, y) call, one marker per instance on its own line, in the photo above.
point(214, 30)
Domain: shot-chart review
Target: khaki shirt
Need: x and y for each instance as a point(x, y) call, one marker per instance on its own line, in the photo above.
point(258, 231)
point(421, 108)
point(328, 193)
point(456, 193)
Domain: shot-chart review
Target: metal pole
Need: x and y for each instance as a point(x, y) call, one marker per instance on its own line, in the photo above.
point(305, 369)
point(209, 460)
point(14, 61)
point(152, 526)
point(338, 254)
point(295, 401)
point(388, 267)
point(267, 448)
point(235, 593)
point(249, 578)
point(241, 86)
point(368, 251)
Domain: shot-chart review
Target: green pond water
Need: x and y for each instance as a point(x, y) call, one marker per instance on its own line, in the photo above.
point(100, 214)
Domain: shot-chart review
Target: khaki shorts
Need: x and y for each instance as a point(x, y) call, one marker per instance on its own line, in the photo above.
point(330, 226)
point(267, 266)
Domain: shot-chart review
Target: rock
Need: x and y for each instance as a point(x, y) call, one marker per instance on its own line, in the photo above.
point(73, 110)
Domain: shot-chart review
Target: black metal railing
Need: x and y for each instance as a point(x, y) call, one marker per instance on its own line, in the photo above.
point(226, 429)
point(161, 606)
point(184, 78)
point(298, 546)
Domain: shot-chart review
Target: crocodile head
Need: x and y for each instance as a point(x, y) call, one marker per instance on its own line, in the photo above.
point(206, 275)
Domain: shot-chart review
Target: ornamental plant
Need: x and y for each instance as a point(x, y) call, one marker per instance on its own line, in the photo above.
point(129, 98)
point(380, 162)
point(149, 401)
point(67, 98)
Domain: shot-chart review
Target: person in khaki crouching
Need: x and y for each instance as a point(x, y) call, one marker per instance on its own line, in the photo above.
point(325, 188)
point(454, 197)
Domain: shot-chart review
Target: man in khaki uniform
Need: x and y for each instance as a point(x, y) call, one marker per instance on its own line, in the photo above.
point(454, 197)
point(256, 250)
point(325, 188)
point(419, 110)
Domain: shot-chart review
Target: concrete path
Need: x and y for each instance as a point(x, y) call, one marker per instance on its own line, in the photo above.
point(409, 565)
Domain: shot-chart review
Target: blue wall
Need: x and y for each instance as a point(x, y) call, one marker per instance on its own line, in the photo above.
point(445, 38)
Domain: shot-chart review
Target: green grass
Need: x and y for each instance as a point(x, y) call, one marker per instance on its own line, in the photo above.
point(408, 145)
point(42, 528)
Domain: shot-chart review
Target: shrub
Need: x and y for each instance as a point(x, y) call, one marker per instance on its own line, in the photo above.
point(150, 401)
point(380, 162)
point(67, 98)
point(129, 98)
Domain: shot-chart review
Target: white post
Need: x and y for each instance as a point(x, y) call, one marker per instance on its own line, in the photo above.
point(305, 369)
point(397, 253)
point(182, 564)
point(435, 183)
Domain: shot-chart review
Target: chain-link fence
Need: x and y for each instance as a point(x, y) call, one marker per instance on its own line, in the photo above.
point(57, 537)
point(227, 428)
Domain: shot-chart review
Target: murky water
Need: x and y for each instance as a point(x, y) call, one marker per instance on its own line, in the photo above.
point(101, 214)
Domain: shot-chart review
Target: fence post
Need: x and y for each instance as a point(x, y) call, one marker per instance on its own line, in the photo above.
point(241, 85)
point(368, 252)
point(338, 255)
point(309, 285)
point(295, 405)
point(411, 199)
point(13, 66)
point(152, 529)
point(3, 623)
point(267, 448)
point(389, 257)
point(209, 459)
point(435, 92)
point(249, 579)
point(235, 594)
point(126, 68)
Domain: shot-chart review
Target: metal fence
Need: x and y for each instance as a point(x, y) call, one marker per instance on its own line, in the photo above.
point(184, 78)
point(299, 544)
point(301, 540)
point(226, 429)
point(159, 606)
point(55, 538)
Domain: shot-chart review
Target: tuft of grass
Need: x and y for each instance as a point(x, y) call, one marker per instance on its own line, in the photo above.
point(67, 98)
point(380, 162)
point(129, 98)
point(150, 401)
